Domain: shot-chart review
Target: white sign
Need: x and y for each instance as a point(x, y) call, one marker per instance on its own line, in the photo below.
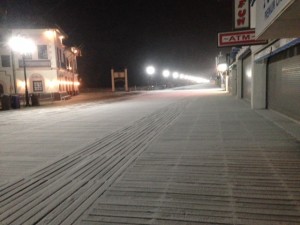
point(241, 14)
point(267, 11)
point(238, 38)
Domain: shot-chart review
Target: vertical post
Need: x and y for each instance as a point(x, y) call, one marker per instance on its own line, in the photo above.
point(13, 71)
point(226, 82)
point(25, 77)
point(126, 80)
point(239, 74)
point(112, 81)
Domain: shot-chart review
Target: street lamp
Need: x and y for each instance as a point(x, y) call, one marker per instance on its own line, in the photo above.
point(166, 73)
point(175, 75)
point(222, 67)
point(23, 46)
point(150, 70)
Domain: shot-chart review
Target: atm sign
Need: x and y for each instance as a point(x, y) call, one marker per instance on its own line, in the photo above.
point(238, 38)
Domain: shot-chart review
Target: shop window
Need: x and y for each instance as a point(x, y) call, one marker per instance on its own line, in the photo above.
point(42, 52)
point(37, 86)
point(5, 60)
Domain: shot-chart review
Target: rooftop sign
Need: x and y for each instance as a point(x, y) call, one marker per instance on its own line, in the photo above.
point(238, 38)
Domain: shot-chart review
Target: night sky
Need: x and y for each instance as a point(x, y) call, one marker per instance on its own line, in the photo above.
point(176, 34)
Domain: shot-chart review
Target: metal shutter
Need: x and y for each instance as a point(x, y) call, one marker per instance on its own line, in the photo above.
point(284, 83)
point(247, 78)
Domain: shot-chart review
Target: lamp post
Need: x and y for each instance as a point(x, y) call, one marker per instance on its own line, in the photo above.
point(222, 67)
point(25, 77)
point(23, 46)
point(150, 70)
point(166, 74)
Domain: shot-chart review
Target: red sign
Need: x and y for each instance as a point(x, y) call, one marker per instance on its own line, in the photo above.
point(238, 38)
point(241, 14)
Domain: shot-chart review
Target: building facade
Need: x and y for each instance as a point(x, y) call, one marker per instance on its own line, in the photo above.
point(268, 76)
point(50, 69)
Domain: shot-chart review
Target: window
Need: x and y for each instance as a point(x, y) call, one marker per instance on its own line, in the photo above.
point(5, 60)
point(42, 52)
point(37, 86)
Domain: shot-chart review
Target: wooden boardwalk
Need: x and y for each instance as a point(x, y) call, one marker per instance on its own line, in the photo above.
point(61, 192)
point(211, 161)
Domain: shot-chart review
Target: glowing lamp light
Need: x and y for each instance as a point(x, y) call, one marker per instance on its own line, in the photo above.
point(22, 45)
point(222, 67)
point(21, 84)
point(166, 73)
point(175, 75)
point(52, 84)
point(49, 34)
point(150, 70)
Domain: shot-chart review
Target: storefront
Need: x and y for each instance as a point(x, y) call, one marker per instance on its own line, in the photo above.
point(283, 82)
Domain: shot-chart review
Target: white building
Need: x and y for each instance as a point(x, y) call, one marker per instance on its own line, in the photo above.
point(51, 68)
point(268, 76)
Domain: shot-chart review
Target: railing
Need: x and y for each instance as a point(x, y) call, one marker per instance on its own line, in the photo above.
point(35, 63)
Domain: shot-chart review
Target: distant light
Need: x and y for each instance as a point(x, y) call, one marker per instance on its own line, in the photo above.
point(51, 84)
point(175, 75)
point(222, 67)
point(49, 34)
point(150, 70)
point(166, 73)
point(21, 84)
point(181, 76)
point(61, 37)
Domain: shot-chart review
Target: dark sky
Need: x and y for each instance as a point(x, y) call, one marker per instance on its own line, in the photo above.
point(176, 34)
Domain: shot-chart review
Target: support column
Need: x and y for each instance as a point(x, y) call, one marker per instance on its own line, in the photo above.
point(239, 70)
point(112, 81)
point(126, 80)
point(233, 81)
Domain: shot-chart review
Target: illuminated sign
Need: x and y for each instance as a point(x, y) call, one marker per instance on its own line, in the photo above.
point(238, 38)
point(241, 14)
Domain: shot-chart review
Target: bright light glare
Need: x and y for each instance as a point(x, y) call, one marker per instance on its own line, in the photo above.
point(49, 34)
point(150, 70)
point(166, 73)
point(21, 84)
point(175, 75)
point(22, 45)
point(222, 67)
point(249, 73)
point(196, 79)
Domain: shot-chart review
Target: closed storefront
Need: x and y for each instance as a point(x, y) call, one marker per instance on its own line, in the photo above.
point(246, 78)
point(284, 82)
